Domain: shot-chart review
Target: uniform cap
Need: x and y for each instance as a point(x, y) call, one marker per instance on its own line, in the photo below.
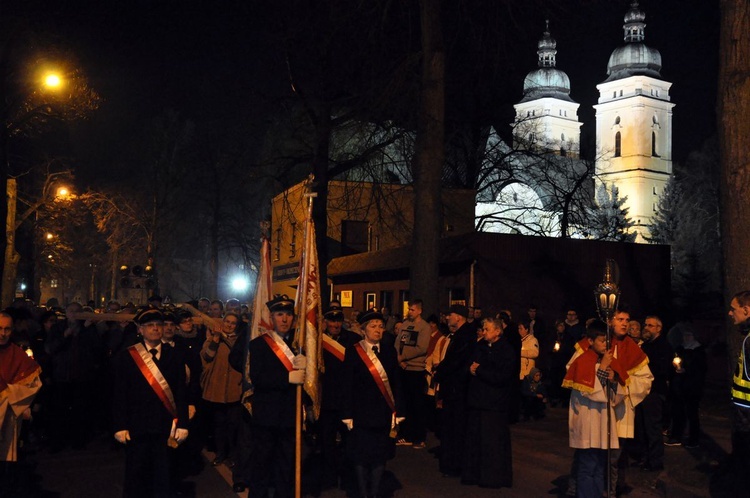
point(334, 314)
point(368, 315)
point(280, 302)
point(148, 316)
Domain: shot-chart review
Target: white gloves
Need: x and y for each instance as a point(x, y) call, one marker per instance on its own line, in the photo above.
point(349, 423)
point(180, 435)
point(299, 362)
point(122, 436)
point(297, 376)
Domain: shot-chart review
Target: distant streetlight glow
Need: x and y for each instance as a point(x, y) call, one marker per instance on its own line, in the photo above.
point(240, 284)
point(49, 236)
point(62, 192)
point(52, 80)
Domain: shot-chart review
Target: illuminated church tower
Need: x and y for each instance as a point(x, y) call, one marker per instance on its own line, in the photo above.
point(546, 117)
point(634, 124)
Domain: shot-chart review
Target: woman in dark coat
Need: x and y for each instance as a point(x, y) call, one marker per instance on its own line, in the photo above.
point(371, 403)
point(493, 373)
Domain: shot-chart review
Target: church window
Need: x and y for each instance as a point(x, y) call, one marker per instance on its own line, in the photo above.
point(563, 152)
point(566, 114)
point(620, 93)
point(657, 92)
point(528, 113)
point(532, 137)
point(614, 94)
point(618, 144)
point(653, 144)
point(562, 137)
point(653, 207)
point(654, 190)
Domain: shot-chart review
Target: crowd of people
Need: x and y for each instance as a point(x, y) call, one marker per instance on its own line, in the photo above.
point(170, 383)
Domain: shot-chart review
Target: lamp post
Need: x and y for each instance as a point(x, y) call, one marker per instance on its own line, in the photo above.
point(607, 297)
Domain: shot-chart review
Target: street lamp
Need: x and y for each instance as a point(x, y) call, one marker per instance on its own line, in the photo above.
point(607, 296)
point(52, 80)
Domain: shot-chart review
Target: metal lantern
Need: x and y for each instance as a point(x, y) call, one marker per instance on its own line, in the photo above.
point(607, 293)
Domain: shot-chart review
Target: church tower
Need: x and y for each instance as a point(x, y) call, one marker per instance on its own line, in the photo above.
point(634, 124)
point(546, 117)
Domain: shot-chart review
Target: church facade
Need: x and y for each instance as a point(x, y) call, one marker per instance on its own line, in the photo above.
point(633, 125)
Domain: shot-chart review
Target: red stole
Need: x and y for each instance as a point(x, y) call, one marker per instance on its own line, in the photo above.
point(377, 375)
point(15, 366)
point(145, 362)
point(279, 351)
point(628, 353)
point(334, 347)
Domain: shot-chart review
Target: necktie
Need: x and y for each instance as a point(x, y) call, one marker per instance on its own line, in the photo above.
point(153, 352)
point(375, 350)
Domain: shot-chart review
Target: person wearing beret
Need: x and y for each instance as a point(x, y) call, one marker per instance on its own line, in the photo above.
point(335, 341)
point(372, 403)
point(150, 412)
point(276, 371)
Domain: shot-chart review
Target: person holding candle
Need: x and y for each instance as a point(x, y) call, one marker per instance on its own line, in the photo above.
point(690, 366)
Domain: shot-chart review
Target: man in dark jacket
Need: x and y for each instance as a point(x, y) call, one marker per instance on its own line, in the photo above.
point(650, 413)
point(335, 342)
point(275, 371)
point(149, 407)
point(452, 375)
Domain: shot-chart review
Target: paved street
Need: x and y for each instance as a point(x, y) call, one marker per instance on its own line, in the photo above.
point(541, 461)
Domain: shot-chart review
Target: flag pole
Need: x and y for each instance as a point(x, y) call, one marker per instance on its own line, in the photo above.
point(299, 339)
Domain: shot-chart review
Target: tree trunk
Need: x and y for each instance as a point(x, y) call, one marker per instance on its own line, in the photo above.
point(428, 161)
point(10, 262)
point(734, 129)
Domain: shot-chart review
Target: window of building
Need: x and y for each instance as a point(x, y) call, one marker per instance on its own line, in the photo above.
point(653, 144)
point(655, 190)
point(386, 299)
point(653, 207)
point(457, 295)
point(620, 93)
point(53, 283)
point(617, 120)
point(354, 237)
point(618, 144)
point(614, 94)
point(370, 301)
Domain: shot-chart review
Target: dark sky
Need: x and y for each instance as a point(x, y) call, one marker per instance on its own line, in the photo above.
point(212, 60)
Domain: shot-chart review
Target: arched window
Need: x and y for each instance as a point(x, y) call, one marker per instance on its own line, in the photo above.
point(653, 144)
point(618, 144)
point(617, 120)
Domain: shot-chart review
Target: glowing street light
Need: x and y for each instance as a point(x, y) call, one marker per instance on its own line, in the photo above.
point(240, 283)
point(52, 80)
point(49, 236)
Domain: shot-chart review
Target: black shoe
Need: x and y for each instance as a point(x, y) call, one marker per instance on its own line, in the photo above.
point(239, 487)
point(672, 442)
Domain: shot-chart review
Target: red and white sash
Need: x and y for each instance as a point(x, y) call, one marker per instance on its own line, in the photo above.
point(334, 347)
point(145, 362)
point(280, 349)
point(378, 374)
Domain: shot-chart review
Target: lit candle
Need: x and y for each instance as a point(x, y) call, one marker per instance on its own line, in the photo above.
point(677, 361)
point(557, 346)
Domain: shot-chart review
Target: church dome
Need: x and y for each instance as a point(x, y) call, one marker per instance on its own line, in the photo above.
point(547, 80)
point(634, 58)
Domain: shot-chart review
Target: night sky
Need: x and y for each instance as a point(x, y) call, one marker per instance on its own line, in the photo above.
point(216, 61)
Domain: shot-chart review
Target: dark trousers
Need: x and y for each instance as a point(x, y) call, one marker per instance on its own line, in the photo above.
point(147, 466)
point(333, 467)
point(414, 385)
point(272, 462)
point(592, 465)
point(226, 423)
point(685, 411)
point(488, 459)
point(243, 452)
point(453, 429)
point(649, 418)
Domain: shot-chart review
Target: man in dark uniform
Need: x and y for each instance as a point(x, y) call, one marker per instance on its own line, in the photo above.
point(149, 407)
point(275, 371)
point(452, 375)
point(335, 341)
